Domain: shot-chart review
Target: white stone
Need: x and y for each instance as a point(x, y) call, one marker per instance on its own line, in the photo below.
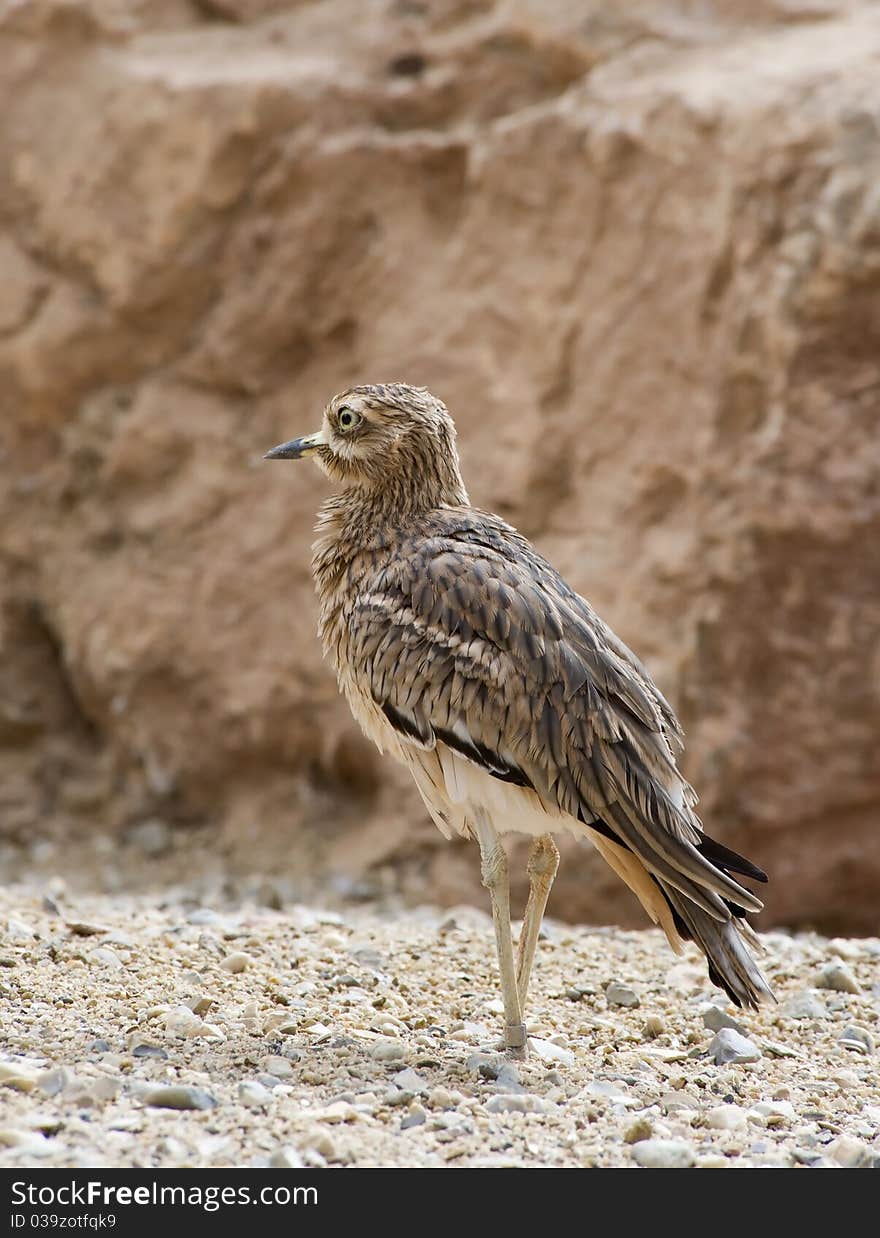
point(663, 1154)
point(519, 1104)
point(253, 1094)
point(804, 1005)
point(237, 962)
point(387, 1051)
point(848, 1152)
point(728, 1046)
point(725, 1118)
point(286, 1158)
point(839, 977)
point(547, 1051)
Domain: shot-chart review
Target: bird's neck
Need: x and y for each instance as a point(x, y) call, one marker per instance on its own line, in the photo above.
point(393, 496)
point(419, 482)
point(363, 519)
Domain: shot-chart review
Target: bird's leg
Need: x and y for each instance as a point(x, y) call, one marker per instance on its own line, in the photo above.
point(495, 879)
point(543, 863)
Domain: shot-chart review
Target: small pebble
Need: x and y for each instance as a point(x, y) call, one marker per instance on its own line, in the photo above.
point(19, 1074)
point(806, 1156)
point(729, 1046)
point(145, 1050)
point(338, 1111)
point(507, 1077)
point(321, 1142)
point(105, 957)
point(617, 994)
point(664, 1154)
point(396, 1097)
point(775, 1049)
point(775, 1114)
point(715, 1019)
point(286, 1158)
point(518, 1104)
point(782, 1158)
point(843, 948)
point(416, 1116)
point(837, 976)
point(278, 1066)
point(178, 1096)
point(638, 1131)
point(253, 1094)
point(81, 928)
point(409, 1081)
point(725, 1118)
point(27, 1141)
point(368, 957)
point(169, 1146)
point(654, 1027)
point(804, 1005)
point(53, 1082)
point(857, 1039)
point(202, 915)
point(237, 962)
point(850, 1153)
point(387, 1051)
point(611, 1091)
point(89, 1092)
point(442, 1098)
point(547, 1051)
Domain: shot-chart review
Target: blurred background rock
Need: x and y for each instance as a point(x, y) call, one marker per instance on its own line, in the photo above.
point(636, 248)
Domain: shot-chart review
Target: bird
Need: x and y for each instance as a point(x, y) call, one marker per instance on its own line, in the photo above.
point(465, 655)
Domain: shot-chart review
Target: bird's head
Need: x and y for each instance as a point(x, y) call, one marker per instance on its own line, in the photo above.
point(390, 436)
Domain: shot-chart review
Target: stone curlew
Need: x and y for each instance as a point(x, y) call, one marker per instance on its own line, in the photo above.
point(464, 654)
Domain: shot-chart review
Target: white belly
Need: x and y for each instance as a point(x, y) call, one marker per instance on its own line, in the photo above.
point(454, 790)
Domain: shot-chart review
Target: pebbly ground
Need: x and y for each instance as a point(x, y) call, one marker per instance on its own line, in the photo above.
point(151, 1030)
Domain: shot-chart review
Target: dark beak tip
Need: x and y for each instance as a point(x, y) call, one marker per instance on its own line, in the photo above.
point(285, 451)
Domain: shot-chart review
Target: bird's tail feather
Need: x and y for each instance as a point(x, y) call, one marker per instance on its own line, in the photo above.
point(731, 966)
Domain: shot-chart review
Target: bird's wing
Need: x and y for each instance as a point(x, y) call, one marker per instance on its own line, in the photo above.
point(468, 637)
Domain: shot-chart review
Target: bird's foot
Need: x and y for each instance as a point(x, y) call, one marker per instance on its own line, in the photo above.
point(516, 1040)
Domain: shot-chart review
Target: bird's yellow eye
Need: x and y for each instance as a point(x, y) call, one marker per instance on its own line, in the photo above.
point(347, 419)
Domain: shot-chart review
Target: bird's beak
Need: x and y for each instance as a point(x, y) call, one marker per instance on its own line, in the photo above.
point(296, 448)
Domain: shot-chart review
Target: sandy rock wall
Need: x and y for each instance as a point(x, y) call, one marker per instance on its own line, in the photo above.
point(638, 256)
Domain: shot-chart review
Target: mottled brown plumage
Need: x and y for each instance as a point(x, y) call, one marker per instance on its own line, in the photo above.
point(464, 654)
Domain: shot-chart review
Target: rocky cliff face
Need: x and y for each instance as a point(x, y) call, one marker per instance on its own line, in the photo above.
point(637, 255)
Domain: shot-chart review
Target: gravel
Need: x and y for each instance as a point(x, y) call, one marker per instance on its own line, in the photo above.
point(804, 1005)
point(715, 1018)
point(726, 1118)
point(618, 994)
point(254, 1094)
point(236, 963)
point(363, 1038)
point(858, 1039)
point(664, 1154)
point(178, 1097)
point(838, 976)
point(729, 1046)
